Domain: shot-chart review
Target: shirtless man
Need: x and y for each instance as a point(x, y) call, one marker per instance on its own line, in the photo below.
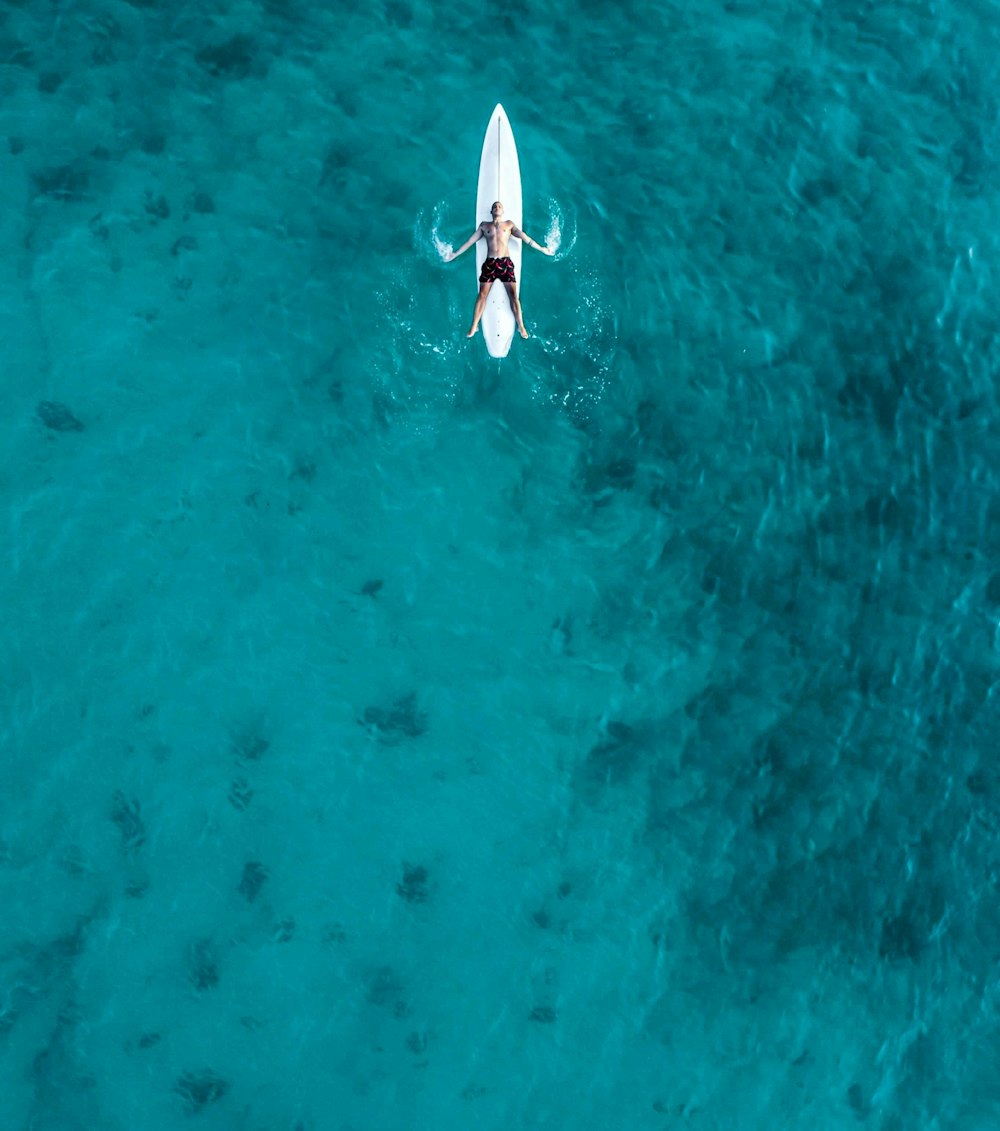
point(498, 265)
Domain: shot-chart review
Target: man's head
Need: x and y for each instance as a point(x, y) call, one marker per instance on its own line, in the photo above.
point(497, 210)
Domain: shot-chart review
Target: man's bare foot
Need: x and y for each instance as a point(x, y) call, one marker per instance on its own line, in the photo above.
point(472, 332)
point(524, 333)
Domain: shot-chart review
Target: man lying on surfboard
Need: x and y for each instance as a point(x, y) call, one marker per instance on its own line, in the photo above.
point(498, 265)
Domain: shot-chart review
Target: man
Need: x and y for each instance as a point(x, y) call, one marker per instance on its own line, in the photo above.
point(498, 265)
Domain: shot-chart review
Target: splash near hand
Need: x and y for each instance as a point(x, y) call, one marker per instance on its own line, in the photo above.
point(444, 250)
point(553, 237)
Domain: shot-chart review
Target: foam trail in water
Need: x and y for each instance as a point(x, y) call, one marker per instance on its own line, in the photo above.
point(553, 237)
point(443, 249)
point(559, 229)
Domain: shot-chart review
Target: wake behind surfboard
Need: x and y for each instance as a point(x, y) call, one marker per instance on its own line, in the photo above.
point(499, 179)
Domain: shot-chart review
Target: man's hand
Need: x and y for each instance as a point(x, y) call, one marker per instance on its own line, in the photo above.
point(547, 250)
point(449, 255)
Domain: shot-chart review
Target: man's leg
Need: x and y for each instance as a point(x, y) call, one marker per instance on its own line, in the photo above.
point(477, 313)
point(515, 305)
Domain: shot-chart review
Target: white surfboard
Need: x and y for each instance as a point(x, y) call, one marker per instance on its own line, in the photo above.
point(499, 179)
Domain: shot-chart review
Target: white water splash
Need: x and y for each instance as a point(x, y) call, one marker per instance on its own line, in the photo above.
point(444, 250)
point(553, 237)
point(441, 248)
point(560, 230)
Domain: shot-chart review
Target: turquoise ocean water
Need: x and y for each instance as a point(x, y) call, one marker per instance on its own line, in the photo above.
point(397, 740)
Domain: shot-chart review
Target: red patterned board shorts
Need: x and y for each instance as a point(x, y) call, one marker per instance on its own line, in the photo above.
point(497, 270)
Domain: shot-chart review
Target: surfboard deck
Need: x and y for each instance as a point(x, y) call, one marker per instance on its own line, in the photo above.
point(499, 179)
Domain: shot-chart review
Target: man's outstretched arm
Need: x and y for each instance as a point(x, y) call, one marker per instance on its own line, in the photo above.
point(530, 242)
point(465, 247)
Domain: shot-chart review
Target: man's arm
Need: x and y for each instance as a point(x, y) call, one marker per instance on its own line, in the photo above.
point(515, 231)
point(465, 247)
